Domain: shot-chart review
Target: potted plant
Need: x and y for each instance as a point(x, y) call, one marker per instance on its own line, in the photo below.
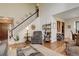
point(17, 39)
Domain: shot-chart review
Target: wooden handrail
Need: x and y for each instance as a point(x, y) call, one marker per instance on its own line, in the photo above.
point(37, 12)
point(25, 20)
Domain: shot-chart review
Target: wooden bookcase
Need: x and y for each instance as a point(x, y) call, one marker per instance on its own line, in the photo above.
point(47, 32)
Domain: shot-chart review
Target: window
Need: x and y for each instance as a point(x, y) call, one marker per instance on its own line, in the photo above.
point(77, 26)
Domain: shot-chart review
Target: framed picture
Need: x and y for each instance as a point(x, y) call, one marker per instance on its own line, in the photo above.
point(69, 26)
point(33, 27)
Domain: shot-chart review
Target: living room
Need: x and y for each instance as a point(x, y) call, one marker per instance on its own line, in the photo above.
point(22, 30)
point(44, 16)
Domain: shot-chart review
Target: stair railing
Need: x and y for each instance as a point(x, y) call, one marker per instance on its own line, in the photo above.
point(37, 14)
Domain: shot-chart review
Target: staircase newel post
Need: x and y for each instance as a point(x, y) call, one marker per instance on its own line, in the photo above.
point(37, 10)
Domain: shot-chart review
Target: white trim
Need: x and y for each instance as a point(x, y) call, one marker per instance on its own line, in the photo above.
point(53, 40)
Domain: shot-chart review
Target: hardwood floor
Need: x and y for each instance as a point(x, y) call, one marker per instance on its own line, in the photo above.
point(57, 46)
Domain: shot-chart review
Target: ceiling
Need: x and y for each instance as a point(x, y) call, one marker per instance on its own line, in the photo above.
point(70, 14)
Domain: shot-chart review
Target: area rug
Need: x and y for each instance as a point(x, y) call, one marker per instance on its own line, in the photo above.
point(28, 51)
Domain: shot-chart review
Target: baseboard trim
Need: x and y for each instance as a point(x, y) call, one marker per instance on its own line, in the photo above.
point(53, 41)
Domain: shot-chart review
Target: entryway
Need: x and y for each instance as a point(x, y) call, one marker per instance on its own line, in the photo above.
point(4, 30)
point(60, 30)
point(4, 27)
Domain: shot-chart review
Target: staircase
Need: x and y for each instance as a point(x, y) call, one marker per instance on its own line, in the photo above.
point(23, 24)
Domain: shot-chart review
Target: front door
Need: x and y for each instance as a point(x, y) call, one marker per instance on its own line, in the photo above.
point(3, 31)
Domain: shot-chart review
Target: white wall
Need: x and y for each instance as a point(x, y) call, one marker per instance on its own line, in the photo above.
point(16, 10)
point(70, 22)
point(23, 32)
point(37, 26)
point(36, 22)
point(48, 10)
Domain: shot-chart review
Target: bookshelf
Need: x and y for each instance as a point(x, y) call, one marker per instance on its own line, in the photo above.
point(47, 32)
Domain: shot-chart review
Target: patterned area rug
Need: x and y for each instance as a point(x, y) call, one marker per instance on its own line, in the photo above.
point(28, 51)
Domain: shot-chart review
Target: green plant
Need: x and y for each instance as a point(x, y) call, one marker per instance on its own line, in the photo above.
point(17, 38)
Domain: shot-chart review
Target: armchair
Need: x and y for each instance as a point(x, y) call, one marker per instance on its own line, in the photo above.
point(37, 37)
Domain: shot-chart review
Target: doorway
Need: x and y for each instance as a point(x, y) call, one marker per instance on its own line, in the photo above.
point(4, 27)
point(77, 26)
point(63, 29)
point(60, 30)
point(3, 31)
point(5, 24)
